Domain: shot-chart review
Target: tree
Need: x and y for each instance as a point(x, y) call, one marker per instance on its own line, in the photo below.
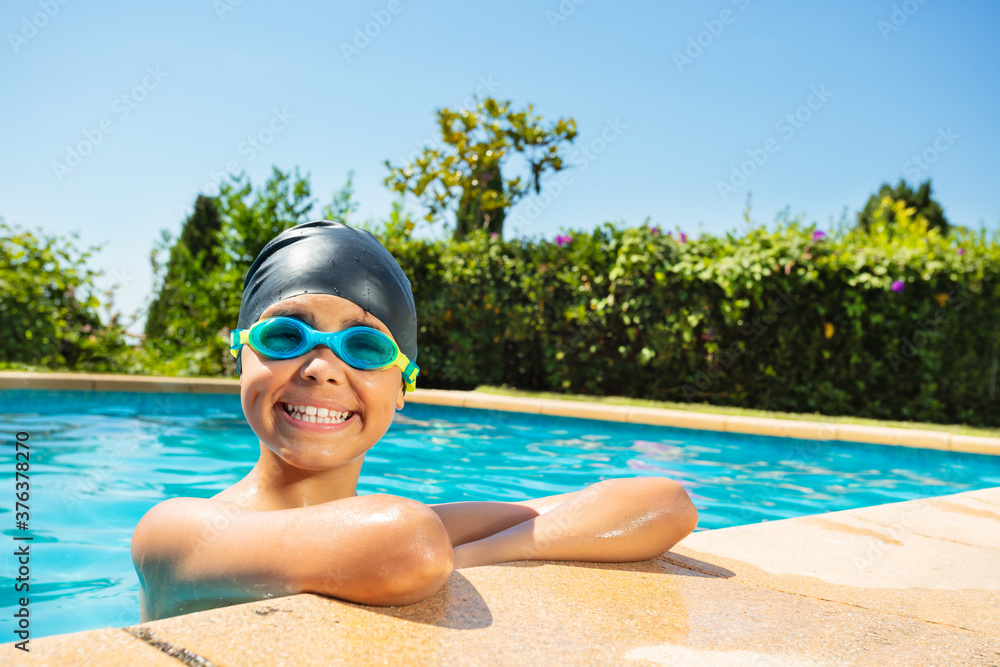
point(199, 288)
point(252, 218)
point(920, 200)
point(195, 254)
point(467, 167)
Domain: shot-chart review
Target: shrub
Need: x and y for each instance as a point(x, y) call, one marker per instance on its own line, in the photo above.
point(49, 306)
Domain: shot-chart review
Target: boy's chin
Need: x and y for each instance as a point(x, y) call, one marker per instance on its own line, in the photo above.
point(312, 461)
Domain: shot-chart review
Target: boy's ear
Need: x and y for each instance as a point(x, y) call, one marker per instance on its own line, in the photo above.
point(401, 398)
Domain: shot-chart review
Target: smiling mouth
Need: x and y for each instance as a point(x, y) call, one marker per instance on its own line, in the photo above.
point(314, 415)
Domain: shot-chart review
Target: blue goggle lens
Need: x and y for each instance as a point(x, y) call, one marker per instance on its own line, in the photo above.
point(371, 348)
point(281, 338)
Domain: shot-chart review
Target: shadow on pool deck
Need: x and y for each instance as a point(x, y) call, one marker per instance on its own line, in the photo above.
point(906, 583)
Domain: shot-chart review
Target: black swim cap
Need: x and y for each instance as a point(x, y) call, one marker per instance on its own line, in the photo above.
point(324, 257)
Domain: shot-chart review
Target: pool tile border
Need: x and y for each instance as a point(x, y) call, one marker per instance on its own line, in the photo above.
point(102, 382)
point(471, 399)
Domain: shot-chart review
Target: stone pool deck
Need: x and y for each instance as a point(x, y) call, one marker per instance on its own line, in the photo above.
point(910, 583)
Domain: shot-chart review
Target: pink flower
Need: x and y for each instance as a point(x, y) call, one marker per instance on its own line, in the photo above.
point(655, 230)
point(897, 286)
point(818, 235)
point(961, 251)
point(563, 240)
point(684, 238)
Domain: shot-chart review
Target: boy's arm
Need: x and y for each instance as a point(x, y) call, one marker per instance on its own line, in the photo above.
point(617, 520)
point(471, 521)
point(193, 553)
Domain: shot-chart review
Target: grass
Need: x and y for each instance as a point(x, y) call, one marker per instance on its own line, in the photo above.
point(960, 429)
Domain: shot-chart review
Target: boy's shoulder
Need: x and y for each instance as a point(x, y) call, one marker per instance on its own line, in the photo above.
point(168, 549)
point(170, 528)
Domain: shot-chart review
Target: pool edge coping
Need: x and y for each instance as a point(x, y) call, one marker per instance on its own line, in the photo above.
point(768, 426)
point(736, 560)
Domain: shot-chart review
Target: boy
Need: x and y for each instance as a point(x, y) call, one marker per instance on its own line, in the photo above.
point(326, 349)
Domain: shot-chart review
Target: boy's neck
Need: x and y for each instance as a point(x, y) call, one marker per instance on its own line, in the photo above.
point(274, 485)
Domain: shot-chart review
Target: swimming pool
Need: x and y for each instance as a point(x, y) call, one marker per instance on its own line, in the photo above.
point(100, 460)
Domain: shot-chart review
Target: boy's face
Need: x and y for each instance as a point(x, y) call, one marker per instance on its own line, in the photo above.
point(318, 378)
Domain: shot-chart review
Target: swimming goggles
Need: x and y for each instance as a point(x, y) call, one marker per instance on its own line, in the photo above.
point(363, 348)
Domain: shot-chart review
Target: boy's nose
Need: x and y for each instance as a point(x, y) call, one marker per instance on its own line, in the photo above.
point(320, 364)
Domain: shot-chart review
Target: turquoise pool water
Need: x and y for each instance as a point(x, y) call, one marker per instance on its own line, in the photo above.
point(99, 461)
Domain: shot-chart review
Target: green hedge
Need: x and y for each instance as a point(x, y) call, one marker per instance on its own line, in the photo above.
point(790, 320)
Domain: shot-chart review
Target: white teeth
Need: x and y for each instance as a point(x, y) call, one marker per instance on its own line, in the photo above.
point(314, 415)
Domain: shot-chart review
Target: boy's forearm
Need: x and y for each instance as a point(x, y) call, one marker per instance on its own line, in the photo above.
point(471, 521)
point(618, 520)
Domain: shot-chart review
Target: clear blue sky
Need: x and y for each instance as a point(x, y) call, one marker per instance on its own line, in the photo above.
point(886, 80)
